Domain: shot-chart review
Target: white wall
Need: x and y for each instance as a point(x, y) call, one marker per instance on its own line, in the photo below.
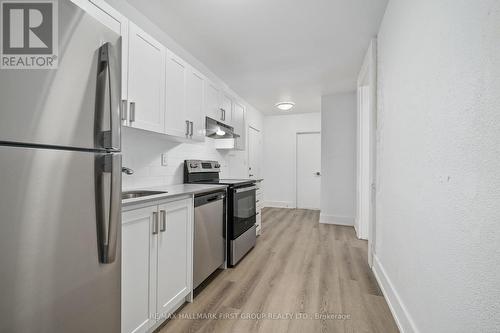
point(280, 150)
point(438, 199)
point(338, 158)
point(142, 150)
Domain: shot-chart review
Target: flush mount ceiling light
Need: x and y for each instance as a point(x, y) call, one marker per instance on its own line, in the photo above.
point(285, 106)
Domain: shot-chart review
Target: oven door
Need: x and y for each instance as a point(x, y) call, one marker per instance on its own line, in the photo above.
point(243, 210)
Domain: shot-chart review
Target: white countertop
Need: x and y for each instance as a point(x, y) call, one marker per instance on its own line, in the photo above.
point(172, 191)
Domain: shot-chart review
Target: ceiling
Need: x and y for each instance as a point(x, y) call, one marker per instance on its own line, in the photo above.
point(269, 51)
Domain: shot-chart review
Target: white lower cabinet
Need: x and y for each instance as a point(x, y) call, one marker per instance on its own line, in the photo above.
point(157, 252)
point(174, 270)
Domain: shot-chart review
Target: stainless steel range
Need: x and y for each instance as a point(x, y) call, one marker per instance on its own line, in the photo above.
point(241, 212)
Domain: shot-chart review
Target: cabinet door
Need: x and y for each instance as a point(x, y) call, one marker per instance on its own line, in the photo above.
point(175, 116)
point(194, 104)
point(213, 101)
point(227, 107)
point(146, 81)
point(139, 249)
point(238, 122)
point(175, 244)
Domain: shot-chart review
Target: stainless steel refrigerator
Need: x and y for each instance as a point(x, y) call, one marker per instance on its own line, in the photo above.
point(60, 185)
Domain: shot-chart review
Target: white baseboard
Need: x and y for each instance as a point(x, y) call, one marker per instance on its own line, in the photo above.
point(278, 204)
point(333, 219)
point(399, 312)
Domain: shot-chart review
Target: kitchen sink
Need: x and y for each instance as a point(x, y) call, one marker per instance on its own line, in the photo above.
point(139, 194)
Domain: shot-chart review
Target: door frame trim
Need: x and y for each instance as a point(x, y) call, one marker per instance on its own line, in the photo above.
point(366, 188)
point(296, 204)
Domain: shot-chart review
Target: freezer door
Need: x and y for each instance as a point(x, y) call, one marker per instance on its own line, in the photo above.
point(59, 251)
point(76, 105)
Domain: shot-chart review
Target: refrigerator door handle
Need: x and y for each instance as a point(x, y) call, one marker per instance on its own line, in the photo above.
point(105, 100)
point(108, 204)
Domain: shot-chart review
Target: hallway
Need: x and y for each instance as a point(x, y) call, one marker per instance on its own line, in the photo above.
point(301, 277)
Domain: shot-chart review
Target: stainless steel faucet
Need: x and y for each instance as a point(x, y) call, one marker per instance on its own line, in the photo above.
point(127, 171)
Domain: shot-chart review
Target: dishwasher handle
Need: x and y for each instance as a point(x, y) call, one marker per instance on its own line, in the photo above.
point(208, 198)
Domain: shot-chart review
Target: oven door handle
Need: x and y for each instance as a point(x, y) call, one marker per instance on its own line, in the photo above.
point(245, 189)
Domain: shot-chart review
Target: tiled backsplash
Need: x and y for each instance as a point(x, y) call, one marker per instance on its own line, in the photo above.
point(142, 153)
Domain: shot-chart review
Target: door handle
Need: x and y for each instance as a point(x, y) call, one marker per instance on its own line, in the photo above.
point(155, 223)
point(107, 101)
point(163, 220)
point(191, 129)
point(107, 172)
point(187, 128)
point(132, 112)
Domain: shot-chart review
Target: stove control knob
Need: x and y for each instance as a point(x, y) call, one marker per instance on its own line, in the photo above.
point(193, 165)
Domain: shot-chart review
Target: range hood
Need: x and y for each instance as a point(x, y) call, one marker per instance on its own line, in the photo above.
point(217, 130)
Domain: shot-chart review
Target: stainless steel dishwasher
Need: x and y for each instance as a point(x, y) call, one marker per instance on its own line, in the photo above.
point(209, 235)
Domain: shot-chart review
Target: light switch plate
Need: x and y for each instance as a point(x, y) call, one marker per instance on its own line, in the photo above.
point(164, 159)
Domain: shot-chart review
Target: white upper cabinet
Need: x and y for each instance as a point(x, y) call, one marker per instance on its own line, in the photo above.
point(195, 104)
point(238, 123)
point(160, 91)
point(213, 107)
point(227, 108)
point(176, 122)
point(146, 81)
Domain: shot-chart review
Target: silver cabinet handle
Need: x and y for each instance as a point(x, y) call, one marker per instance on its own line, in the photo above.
point(163, 220)
point(124, 109)
point(187, 127)
point(132, 112)
point(222, 111)
point(108, 202)
point(155, 223)
point(191, 130)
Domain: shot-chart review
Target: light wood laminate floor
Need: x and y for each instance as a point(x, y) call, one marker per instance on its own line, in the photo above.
point(302, 276)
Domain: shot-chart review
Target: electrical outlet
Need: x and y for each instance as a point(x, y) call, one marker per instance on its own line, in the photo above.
point(164, 159)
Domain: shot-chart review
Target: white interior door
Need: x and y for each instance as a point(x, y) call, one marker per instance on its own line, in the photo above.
point(254, 148)
point(308, 170)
